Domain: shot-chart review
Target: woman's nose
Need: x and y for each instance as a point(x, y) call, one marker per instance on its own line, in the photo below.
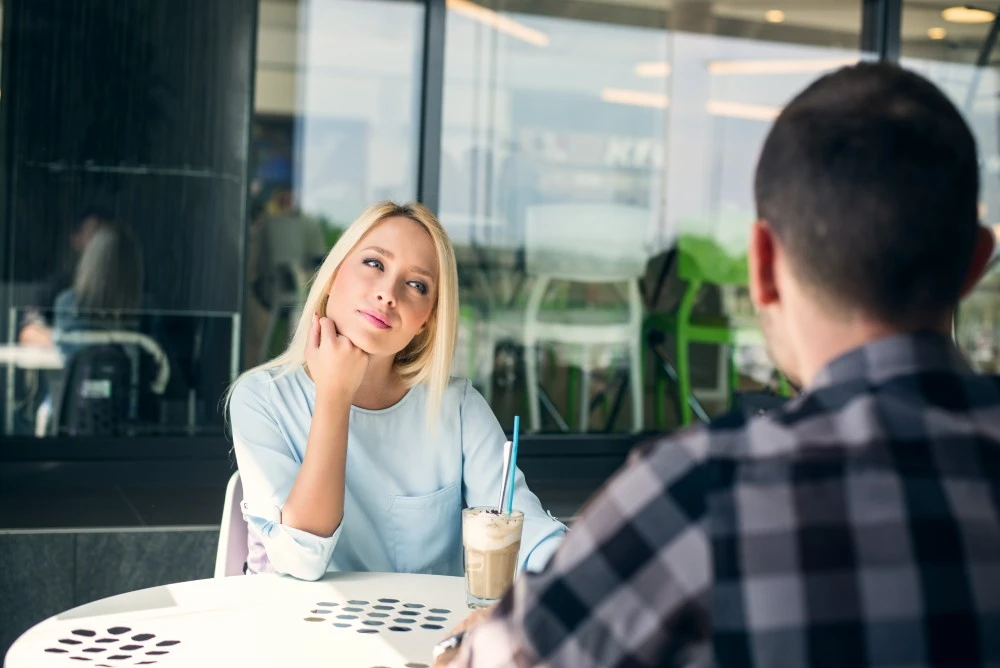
point(386, 293)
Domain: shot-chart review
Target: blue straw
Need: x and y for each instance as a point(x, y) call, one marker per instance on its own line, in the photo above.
point(513, 465)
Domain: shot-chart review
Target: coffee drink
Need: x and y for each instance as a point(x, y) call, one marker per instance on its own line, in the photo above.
point(492, 541)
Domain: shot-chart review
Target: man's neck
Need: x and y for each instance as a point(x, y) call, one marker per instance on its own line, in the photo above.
point(819, 341)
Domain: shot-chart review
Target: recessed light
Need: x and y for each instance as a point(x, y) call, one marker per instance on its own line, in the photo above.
point(774, 16)
point(653, 69)
point(961, 14)
point(937, 32)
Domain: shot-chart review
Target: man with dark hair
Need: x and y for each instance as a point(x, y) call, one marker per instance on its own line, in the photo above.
point(858, 524)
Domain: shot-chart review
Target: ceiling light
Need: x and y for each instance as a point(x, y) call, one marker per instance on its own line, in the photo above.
point(753, 112)
point(498, 22)
point(653, 69)
point(937, 32)
point(778, 66)
point(961, 14)
point(774, 16)
point(638, 98)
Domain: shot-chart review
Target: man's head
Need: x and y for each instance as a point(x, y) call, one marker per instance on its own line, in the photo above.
point(867, 192)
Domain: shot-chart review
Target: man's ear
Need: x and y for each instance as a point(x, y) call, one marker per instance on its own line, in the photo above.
point(761, 263)
point(981, 254)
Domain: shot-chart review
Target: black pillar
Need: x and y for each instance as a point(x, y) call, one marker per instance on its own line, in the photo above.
point(141, 108)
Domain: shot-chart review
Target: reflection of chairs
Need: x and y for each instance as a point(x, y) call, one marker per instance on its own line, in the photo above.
point(700, 260)
point(289, 247)
point(102, 383)
point(590, 244)
point(231, 555)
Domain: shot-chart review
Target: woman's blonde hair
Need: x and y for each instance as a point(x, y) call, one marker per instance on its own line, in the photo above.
point(428, 357)
point(109, 274)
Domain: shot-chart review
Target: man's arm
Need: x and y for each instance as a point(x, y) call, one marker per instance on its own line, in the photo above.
point(629, 584)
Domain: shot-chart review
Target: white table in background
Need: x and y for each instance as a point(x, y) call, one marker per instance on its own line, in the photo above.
point(32, 359)
point(362, 620)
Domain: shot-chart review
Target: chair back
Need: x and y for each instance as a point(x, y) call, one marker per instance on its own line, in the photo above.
point(232, 552)
point(701, 259)
point(99, 392)
point(587, 242)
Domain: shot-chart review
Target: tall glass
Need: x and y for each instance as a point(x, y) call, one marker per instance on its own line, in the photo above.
point(492, 542)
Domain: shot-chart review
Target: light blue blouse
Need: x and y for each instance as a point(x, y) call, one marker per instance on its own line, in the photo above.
point(404, 489)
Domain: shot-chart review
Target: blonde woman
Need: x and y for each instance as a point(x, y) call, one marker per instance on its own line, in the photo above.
point(356, 449)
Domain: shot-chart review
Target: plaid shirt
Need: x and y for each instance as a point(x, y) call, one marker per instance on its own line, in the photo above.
point(856, 526)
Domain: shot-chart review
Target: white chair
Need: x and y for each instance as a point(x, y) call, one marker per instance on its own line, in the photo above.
point(289, 248)
point(232, 552)
point(585, 243)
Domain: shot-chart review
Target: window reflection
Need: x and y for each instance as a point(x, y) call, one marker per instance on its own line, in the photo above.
point(124, 194)
point(596, 170)
point(335, 129)
point(958, 57)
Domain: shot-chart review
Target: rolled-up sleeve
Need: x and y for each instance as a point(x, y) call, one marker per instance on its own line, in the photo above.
point(268, 467)
point(482, 470)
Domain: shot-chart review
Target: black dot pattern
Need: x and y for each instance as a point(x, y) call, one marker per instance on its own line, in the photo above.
point(381, 615)
point(87, 645)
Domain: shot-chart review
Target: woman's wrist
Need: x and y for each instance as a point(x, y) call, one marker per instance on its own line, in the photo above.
point(333, 399)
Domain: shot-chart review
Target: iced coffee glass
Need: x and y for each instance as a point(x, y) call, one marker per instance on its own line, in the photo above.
point(491, 541)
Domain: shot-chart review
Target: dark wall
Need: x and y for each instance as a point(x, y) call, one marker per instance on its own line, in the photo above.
point(45, 574)
point(141, 108)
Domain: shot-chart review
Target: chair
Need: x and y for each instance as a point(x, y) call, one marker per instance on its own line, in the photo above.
point(701, 260)
point(591, 244)
point(232, 553)
point(290, 247)
point(103, 384)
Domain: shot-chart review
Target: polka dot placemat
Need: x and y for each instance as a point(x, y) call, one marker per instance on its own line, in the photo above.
point(382, 615)
point(115, 646)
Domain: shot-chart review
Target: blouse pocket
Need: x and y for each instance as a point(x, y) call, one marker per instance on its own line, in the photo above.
point(427, 532)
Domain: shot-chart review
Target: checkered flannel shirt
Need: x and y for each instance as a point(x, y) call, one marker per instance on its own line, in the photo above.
point(855, 526)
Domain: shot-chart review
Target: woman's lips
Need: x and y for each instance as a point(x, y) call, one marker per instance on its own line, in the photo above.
point(375, 320)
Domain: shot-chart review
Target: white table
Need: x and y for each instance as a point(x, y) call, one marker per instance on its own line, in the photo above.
point(31, 357)
point(362, 620)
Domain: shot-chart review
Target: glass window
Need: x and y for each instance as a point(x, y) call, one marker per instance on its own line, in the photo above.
point(336, 128)
point(950, 45)
point(124, 196)
point(596, 171)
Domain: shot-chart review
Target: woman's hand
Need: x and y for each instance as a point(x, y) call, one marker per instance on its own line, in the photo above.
point(335, 364)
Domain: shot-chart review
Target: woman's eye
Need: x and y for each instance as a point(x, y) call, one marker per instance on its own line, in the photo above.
point(420, 287)
point(372, 262)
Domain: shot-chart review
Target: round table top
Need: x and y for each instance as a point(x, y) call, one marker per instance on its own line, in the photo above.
point(363, 620)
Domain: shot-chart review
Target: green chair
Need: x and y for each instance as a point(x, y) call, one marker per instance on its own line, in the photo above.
point(700, 261)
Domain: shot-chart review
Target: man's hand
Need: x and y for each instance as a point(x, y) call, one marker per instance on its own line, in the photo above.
point(475, 618)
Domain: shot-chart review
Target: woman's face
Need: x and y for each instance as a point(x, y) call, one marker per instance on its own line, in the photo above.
point(385, 289)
